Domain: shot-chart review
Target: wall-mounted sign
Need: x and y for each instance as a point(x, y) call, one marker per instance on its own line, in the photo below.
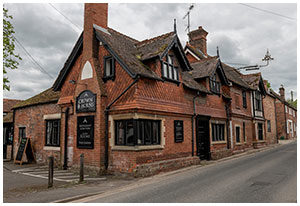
point(86, 102)
point(85, 132)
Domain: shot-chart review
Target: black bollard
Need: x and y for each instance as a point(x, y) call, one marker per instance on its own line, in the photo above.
point(50, 173)
point(81, 168)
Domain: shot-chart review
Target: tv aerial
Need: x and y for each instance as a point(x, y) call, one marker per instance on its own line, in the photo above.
point(188, 15)
point(267, 59)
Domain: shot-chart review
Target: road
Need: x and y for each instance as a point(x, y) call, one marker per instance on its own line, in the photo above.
point(269, 176)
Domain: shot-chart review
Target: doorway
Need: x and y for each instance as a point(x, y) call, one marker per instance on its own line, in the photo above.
point(202, 137)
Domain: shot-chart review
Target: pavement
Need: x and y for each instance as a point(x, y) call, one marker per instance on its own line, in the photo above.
point(19, 187)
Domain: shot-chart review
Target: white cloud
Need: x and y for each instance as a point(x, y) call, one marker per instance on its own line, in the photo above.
point(242, 34)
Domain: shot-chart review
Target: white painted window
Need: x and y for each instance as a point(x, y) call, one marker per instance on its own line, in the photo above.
point(291, 111)
point(286, 109)
point(87, 71)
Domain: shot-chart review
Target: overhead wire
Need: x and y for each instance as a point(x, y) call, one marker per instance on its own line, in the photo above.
point(267, 11)
point(32, 58)
point(78, 27)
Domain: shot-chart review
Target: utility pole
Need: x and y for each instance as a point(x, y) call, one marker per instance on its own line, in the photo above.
point(188, 15)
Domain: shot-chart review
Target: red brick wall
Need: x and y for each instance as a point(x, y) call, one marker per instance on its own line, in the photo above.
point(269, 112)
point(32, 119)
point(281, 120)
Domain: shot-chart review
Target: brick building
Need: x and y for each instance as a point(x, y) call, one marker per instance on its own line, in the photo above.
point(8, 119)
point(270, 116)
point(140, 107)
point(257, 108)
point(286, 116)
point(33, 118)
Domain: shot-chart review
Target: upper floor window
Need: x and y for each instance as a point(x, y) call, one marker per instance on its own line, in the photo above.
point(258, 102)
point(169, 70)
point(291, 111)
point(244, 99)
point(109, 68)
point(52, 132)
point(286, 109)
point(214, 84)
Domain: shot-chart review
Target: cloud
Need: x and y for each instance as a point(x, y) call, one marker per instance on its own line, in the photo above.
point(242, 34)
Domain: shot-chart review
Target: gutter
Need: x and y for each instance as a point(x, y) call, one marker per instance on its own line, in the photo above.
point(13, 138)
point(194, 115)
point(106, 113)
point(65, 166)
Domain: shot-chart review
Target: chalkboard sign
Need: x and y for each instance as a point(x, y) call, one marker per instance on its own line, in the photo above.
point(85, 132)
point(86, 102)
point(24, 147)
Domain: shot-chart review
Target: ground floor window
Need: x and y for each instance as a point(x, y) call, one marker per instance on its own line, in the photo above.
point(237, 134)
point(260, 131)
point(178, 130)
point(269, 125)
point(52, 132)
point(137, 132)
point(244, 131)
point(218, 132)
point(22, 132)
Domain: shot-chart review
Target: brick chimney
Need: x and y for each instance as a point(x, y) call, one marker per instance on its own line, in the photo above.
point(94, 13)
point(197, 38)
point(281, 92)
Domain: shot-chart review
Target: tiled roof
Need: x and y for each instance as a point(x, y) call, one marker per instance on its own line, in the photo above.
point(252, 79)
point(196, 51)
point(8, 118)
point(234, 76)
point(204, 68)
point(190, 83)
point(9, 103)
point(150, 48)
point(46, 96)
point(279, 97)
point(126, 51)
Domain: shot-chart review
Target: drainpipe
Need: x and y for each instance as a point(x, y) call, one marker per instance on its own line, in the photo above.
point(276, 121)
point(106, 113)
point(13, 137)
point(194, 114)
point(65, 166)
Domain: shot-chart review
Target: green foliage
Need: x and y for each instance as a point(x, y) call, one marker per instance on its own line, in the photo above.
point(10, 59)
point(268, 85)
point(293, 103)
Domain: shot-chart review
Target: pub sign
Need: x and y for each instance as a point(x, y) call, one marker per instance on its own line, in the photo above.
point(85, 132)
point(86, 102)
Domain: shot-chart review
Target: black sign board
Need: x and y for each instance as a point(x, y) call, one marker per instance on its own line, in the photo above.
point(24, 147)
point(85, 132)
point(86, 102)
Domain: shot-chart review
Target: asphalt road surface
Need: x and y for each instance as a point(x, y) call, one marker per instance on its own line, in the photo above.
point(269, 176)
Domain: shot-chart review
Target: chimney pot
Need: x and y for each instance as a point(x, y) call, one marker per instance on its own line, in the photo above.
point(197, 39)
point(281, 92)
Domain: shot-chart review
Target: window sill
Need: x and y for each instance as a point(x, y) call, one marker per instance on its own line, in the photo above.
point(238, 143)
point(136, 148)
point(52, 148)
point(219, 142)
point(171, 80)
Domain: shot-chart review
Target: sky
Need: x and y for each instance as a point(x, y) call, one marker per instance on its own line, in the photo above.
point(49, 31)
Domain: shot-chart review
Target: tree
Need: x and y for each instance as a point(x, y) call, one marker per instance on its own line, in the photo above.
point(293, 103)
point(10, 59)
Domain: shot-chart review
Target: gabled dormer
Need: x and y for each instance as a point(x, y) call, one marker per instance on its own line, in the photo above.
point(210, 73)
point(256, 83)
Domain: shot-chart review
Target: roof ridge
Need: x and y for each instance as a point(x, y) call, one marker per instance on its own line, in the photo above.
point(147, 41)
point(127, 37)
